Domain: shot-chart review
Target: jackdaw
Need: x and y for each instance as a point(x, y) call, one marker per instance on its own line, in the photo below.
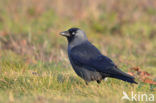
point(88, 62)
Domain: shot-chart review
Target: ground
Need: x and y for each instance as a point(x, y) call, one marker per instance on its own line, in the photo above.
point(34, 66)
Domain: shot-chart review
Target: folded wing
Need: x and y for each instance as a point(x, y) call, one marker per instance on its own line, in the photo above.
point(89, 56)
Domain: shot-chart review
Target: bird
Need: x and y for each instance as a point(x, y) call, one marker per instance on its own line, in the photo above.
point(88, 62)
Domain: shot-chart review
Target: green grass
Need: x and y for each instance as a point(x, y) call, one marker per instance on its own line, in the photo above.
point(34, 66)
point(49, 82)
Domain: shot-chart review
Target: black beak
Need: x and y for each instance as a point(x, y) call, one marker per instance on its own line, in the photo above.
point(65, 33)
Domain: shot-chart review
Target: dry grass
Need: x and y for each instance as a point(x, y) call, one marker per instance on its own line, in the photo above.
point(33, 60)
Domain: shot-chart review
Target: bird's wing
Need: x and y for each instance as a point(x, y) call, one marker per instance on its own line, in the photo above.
point(89, 56)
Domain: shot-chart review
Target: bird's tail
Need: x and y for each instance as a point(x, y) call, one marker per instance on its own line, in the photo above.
point(123, 76)
point(126, 78)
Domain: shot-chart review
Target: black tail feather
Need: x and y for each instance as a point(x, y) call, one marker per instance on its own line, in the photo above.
point(117, 73)
point(129, 79)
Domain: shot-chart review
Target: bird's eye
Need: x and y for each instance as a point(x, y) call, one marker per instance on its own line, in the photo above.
point(73, 33)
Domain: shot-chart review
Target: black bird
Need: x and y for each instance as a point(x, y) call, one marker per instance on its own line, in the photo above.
point(88, 62)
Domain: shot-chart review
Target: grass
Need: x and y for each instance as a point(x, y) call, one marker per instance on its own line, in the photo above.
point(34, 67)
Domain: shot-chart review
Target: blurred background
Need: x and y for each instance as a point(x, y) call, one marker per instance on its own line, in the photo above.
point(28, 26)
point(124, 30)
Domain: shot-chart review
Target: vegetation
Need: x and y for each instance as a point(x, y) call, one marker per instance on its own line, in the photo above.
point(34, 66)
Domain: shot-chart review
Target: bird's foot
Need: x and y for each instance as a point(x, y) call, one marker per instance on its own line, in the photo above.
point(86, 82)
point(98, 81)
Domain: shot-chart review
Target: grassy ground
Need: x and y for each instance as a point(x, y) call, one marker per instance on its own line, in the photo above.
point(34, 66)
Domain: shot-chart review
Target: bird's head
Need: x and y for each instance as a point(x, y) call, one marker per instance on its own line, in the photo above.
point(74, 34)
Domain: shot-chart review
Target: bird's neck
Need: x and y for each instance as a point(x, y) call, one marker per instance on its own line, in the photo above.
point(75, 42)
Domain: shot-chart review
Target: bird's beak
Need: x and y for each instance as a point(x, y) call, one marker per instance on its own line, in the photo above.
point(65, 33)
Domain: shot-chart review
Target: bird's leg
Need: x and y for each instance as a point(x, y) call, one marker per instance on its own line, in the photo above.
point(86, 82)
point(98, 81)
